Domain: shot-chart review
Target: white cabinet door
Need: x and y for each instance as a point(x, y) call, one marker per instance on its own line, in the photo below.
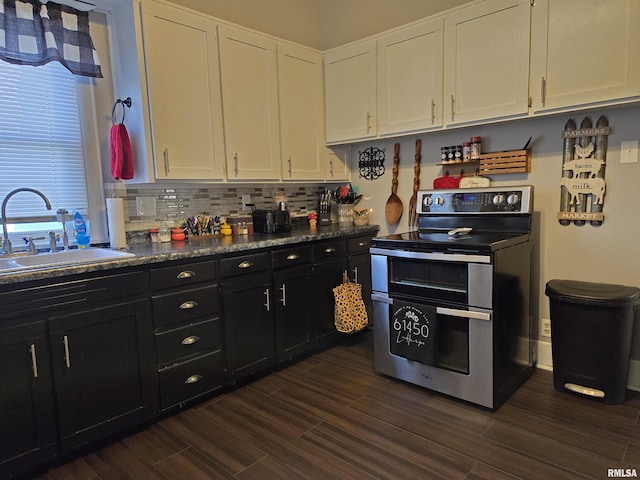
point(250, 103)
point(301, 113)
point(584, 52)
point(338, 163)
point(410, 71)
point(487, 61)
point(350, 92)
point(184, 94)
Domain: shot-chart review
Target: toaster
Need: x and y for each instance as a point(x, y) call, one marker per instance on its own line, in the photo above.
point(271, 221)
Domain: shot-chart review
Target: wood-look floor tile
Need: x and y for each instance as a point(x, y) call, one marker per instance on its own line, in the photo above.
point(193, 465)
point(117, 462)
point(366, 455)
point(155, 444)
point(484, 472)
point(373, 431)
point(269, 468)
point(632, 455)
point(77, 469)
point(220, 445)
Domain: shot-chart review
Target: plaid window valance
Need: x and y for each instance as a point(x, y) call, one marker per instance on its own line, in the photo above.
point(32, 33)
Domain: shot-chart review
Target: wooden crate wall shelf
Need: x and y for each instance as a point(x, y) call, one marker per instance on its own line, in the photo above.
point(510, 161)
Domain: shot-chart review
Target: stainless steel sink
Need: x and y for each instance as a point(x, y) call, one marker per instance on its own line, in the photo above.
point(67, 257)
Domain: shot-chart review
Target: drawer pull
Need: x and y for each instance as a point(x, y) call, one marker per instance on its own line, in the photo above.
point(67, 358)
point(245, 264)
point(34, 361)
point(193, 379)
point(362, 244)
point(186, 274)
point(293, 256)
point(191, 340)
point(188, 305)
point(330, 250)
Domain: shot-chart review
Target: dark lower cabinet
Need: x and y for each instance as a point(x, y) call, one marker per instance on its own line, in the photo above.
point(293, 309)
point(360, 268)
point(326, 276)
point(248, 323)
point(102, 371)
point(27, 411)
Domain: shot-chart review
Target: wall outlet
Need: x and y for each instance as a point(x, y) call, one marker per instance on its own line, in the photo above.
point(246, 199)
point(545, 328)
point(629, 152)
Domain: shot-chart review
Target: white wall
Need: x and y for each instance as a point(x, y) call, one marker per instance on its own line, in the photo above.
point(609, 253)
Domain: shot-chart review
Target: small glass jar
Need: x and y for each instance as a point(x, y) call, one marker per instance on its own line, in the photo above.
point(476, 148)
point(457, 154)
point(153, 234)
point(466, 151)
point(444, 154)
point(164, 234)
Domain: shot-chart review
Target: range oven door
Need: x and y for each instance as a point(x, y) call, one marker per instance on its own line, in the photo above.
point(457, 278)
point(446, 349)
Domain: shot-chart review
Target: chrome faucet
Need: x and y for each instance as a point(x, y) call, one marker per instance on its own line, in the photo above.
point(6, 243)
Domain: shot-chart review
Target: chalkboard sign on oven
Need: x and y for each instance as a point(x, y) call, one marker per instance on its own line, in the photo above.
point(413, 331)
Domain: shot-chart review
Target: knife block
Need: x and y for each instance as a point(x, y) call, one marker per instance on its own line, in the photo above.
point(324, 218)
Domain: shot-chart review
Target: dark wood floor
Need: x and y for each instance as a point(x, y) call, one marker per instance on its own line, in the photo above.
point(331, 417)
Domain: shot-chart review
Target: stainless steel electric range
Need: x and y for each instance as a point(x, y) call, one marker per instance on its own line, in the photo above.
point(452, 299)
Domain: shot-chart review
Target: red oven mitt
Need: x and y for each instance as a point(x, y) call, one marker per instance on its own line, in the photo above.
point(446, 181)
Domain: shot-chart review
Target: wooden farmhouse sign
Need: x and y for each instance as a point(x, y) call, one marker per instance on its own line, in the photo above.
point(582, 186)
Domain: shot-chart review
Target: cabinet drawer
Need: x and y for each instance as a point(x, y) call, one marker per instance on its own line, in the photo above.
point(327, 250)
point(189, 379)
point(185, 305)
point(187, 341)
point(291, 257)
point(180, 275)
point(245, 264)
point(359, 244)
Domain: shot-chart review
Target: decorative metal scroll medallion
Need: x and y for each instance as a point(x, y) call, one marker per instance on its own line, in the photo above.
point(371, 163)
point(582, 186)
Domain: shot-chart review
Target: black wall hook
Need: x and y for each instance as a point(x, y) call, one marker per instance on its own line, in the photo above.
point(126, 102)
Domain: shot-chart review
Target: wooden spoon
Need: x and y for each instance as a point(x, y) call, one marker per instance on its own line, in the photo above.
point(393, 207)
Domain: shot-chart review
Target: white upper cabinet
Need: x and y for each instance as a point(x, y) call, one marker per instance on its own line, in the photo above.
point(248, 71)
point(184, 94)
point(338, 164)
point(350, 92)
point(487, 61)
point(301, 113)
point(584, 52)
point(410, 72)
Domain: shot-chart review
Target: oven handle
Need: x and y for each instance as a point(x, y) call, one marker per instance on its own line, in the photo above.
point(441, 257)
point(452, 312)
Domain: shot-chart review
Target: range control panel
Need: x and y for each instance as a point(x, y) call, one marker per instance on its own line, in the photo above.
point(491, 200)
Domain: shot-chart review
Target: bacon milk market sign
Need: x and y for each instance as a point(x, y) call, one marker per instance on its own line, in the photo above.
point(582, 186)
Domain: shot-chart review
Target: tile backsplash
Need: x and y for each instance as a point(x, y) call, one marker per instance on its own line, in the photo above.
point(174, 204)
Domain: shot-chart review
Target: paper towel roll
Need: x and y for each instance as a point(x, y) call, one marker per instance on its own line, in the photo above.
point(115, 220)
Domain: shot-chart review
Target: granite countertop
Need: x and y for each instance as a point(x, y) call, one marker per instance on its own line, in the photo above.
point(164, 252)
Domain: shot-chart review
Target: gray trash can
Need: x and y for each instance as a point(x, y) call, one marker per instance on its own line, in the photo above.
point(591, 332)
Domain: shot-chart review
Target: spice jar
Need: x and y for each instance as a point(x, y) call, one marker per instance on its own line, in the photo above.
point(476, 148)
point(466, 151)
point(177, 234)
point(457, 154)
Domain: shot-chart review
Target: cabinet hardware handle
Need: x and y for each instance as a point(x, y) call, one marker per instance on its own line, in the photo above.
point(293, 256)
point(193, 379)
point(67, 360)
point(331, 167)
point(363, 244)
point(330, 250)
point(368, 122)
point(453, 107)
point(284, 295)
point(454, 312)
point(290, 167)
point(191, 340)
point(34, 362)
point(245, 264)
point(543, 90)
point(268, 304)
point(235, 162)
point(188, 305)
point(355, 274)
point(433, 111)
point(186, 274)
point(165, 153)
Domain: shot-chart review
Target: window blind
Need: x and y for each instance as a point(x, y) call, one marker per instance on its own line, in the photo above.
point(40, 140)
